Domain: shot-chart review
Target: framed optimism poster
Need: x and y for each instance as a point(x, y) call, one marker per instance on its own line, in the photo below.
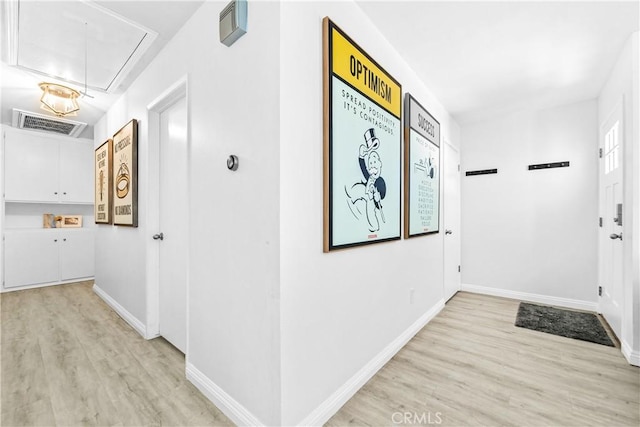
point(103, 182)
point(125, 175)
point(362, 145)
point(421, 170)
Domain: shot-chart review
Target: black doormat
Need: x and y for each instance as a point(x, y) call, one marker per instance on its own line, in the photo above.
point(566, 323)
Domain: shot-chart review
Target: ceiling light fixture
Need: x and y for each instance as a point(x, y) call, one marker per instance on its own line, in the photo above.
point(59, 100)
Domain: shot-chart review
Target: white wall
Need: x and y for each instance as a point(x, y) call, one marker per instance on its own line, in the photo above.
point(120, 251)
point(623, 83)
point(256, 234)
point(233, 102)
point(2, 133)
point(341, 309)
point(532, 232)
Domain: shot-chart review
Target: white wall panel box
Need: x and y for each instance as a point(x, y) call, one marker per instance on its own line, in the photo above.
point(233, 22)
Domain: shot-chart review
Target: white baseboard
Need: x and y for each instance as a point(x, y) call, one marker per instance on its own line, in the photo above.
point(633, 357)
point(524, 296)
point(329, 407)
point(237, 413)
point(42, 285)
point(122, 312)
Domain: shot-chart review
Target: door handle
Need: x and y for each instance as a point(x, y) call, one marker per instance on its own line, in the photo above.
point(158, 236)
point(448, 232)
point(615, 236)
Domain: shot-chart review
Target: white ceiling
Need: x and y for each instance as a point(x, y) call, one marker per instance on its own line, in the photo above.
point(73, 46)
point(485, 59)
point(122, 38)
point(481, 59)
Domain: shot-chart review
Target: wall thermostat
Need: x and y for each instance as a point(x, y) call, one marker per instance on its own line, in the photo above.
point(232, 162)
point(233, 22)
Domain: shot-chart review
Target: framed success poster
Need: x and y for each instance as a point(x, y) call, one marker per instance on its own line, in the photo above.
point(362, 145)
point(125, 175)
point(421, 170)
point(103, 183)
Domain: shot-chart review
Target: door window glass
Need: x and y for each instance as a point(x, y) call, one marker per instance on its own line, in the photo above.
point(612, 149)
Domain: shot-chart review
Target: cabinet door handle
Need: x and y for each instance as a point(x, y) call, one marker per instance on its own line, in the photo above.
point(55, 240)
point(64, 240)
point(55, 192)
point(65, 193)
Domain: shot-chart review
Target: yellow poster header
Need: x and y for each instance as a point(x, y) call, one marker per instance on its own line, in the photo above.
point(353, 66)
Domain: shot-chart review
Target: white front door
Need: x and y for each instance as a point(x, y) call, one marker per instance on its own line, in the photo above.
point(611, 232)
point(451, 221)
point(173, 224)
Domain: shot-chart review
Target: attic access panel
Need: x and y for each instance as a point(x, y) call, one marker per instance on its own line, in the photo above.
point(51, 41)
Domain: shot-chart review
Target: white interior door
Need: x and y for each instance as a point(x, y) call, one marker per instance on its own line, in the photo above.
point(611, 232)
point(173, 224)
point(451, 221)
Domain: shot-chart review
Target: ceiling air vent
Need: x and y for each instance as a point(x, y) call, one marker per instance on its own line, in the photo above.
point(40, 122)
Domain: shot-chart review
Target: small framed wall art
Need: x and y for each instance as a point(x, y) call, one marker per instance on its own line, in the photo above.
point(421, 170)
point(125, 175)
point(103, 183)
point(70, 221)
point(362, 145)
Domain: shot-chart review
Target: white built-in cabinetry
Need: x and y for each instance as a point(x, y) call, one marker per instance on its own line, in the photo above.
point(53, 255)
point(46, 173)
point(43, 169)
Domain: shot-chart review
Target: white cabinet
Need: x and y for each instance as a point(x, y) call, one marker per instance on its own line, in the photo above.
point(31, 169)
point(30, 257)
point(33, 257)
point(45, 173)
point(77, 254)
point(76, 173)
point(47, 169)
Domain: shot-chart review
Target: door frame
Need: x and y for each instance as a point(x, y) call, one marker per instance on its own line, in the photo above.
point(168, 97)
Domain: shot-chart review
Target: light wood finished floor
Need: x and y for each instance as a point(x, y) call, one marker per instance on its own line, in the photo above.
point(69, 360)
point(471, 366)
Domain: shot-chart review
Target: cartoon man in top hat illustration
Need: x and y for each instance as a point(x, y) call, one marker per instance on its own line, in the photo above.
point(373, 189)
